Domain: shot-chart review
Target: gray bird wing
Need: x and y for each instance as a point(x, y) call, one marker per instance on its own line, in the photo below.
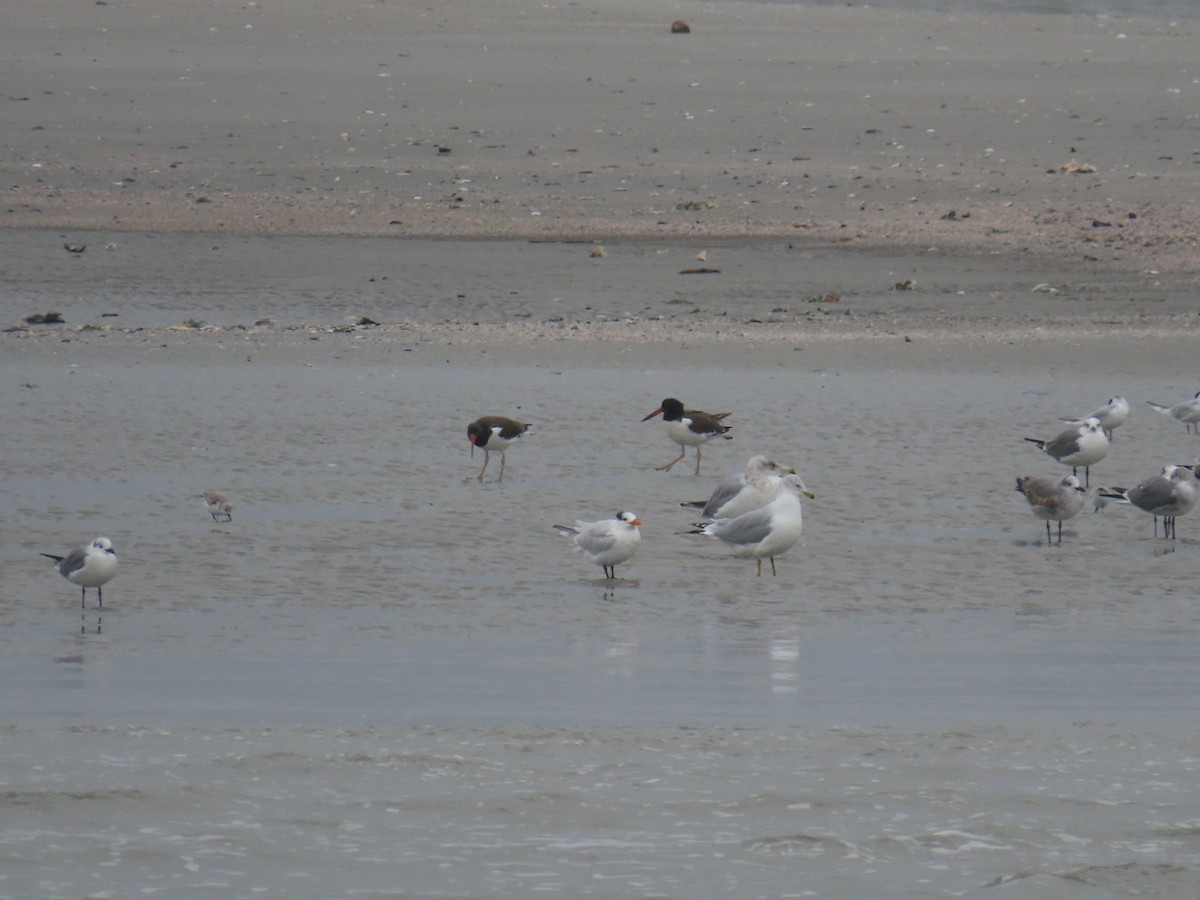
point(74, 561)
point(745, 529)
point(596, 539)
point(726, 491)
point(1153, 493)
point(1065, 444)
point(1040, 492)
point(1106, 410)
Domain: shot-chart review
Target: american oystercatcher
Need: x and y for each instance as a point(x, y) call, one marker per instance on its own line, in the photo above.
point(607, 542)
point(494, 434)
point(92, 566)
point(689, 428)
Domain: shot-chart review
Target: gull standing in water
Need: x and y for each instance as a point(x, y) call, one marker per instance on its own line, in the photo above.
point(607, 542)
point(494, 434)
point(1052, 500)
point(1083, 446)
point(92, 566)
point(1112, 415)
point(1171, 493)
point(1186, 411)
point(767, 532)
point(740, 493)
point(689, 428)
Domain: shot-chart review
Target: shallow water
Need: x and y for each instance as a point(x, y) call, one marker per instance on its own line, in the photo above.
point(654, 811)
point(386, 679)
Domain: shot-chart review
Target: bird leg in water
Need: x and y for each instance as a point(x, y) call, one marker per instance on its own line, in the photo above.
point(682, 454)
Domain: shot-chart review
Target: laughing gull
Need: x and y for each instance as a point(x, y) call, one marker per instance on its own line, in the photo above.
point(1112, 415)
point(1186, 411)
point(1171, 493)
point(1052, 500)
point(754, 488)
point(607, 542)
point(766, 532)
point(1083, 446)
point(91, 566)
point(689, 428)
point(494, 434)
point(220, 506)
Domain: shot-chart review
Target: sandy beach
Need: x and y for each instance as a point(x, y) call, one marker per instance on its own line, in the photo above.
point(1050, 176)
point(296, 248)
point(520, 120)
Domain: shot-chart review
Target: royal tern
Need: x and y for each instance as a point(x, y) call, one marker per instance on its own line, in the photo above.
point(689, 428)
point(766, 532)
point(220, 506)
point(754, 488)
point(1112, 415)
point(1083, 446)
point(1052, 500)
point(92, 566)
point(607, 542)
point(494, 434)
point(1173, 492)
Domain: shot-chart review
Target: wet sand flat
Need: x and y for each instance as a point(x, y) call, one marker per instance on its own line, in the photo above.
point(381, 650)
point(346, 455)
point(296, 249)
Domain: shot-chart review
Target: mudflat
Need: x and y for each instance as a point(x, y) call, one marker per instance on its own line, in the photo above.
point(295, 248)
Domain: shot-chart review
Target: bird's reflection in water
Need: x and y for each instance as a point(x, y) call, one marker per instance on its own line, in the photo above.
point(618, 589)
point(86, 626)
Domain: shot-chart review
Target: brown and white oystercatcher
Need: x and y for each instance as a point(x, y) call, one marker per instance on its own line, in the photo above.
point(689, 428)
point(494, 434)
